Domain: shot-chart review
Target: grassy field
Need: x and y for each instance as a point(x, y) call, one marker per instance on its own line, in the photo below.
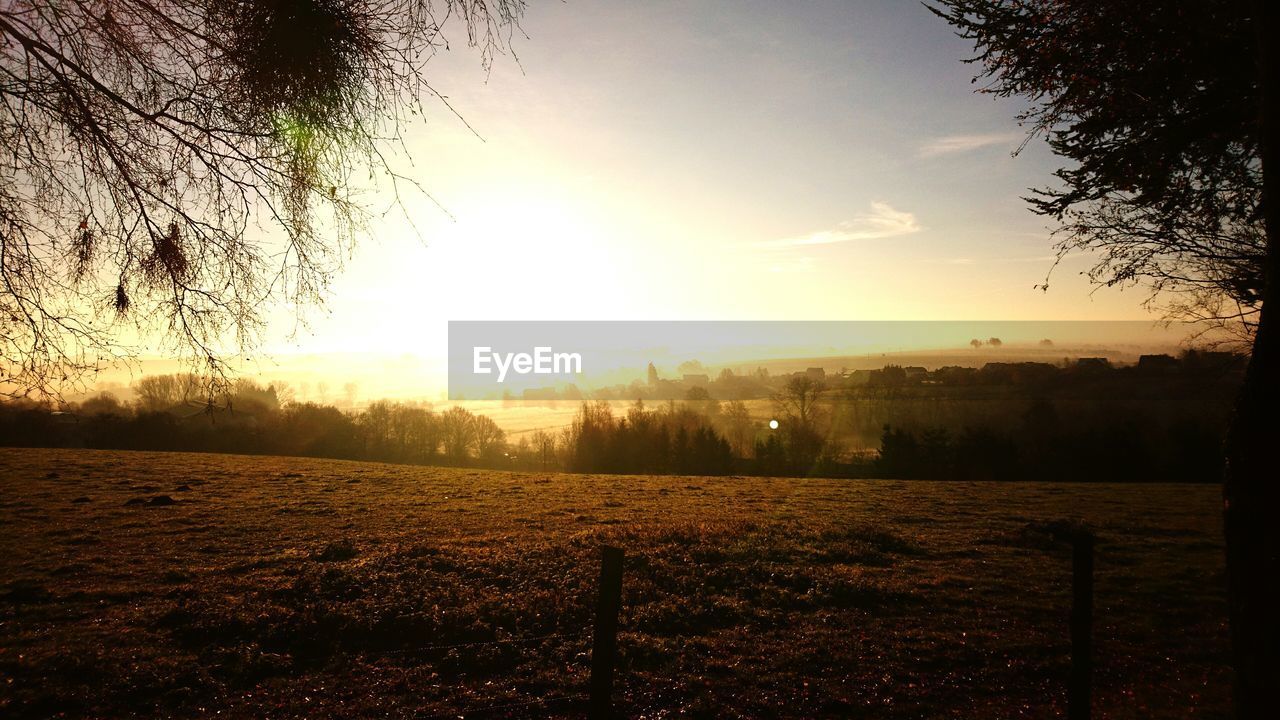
point(193, 585)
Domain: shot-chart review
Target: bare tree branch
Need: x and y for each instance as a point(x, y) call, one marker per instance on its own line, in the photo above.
point(169, 167)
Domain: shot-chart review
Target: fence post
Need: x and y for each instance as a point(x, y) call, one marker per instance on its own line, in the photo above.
point(1078, 687)
point(604, 643)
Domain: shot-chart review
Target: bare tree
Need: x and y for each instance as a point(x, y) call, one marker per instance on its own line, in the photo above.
point(161, 392)
point(284, 392)
point(157, 392)
point(798, 399)
point(457, 432)
point(739, 429)
point(171, 165)
point(544, 445)
point(797, 403)
point(490, 440)
point(103, 403)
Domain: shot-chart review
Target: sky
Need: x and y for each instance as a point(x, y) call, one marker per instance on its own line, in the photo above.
point(714, 161)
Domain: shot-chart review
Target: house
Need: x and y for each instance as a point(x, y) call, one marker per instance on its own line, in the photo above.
point(1003, 373)
point(998, 373)
point(888, 376)
point(1212, 361)
point(1092, 365)
point(1157, 364)
point(955, 375)
point(815, 373)
point(698, 379)
point(861, 377)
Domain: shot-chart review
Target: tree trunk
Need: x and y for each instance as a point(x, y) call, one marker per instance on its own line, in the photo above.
point(1251, 491)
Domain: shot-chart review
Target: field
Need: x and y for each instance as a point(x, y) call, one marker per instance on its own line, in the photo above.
point(189, 585)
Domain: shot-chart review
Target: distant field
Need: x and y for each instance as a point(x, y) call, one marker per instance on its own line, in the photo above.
point(521, 419)
point(285, 587)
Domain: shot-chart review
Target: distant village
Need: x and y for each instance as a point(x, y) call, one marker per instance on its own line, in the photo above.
point(760, 383)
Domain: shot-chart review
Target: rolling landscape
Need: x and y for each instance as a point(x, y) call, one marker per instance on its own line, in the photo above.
point(728, 359)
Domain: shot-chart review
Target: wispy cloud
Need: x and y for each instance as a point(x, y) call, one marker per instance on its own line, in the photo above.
point(951, 144)
point(882, 221)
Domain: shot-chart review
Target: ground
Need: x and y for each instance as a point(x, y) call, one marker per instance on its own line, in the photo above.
point(188, 585)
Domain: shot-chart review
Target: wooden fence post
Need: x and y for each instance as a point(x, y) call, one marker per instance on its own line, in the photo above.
point(604, 643)
point(1078, 687)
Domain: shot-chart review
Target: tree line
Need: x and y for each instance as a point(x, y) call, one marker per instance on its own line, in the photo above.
point(1043, 447)
point(1166, 432)
point(250, 418)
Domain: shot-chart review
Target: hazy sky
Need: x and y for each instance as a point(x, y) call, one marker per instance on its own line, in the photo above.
point(710, 160)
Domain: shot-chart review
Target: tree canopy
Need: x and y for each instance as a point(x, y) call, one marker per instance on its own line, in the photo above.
point(169, 166)
point(1154, 107)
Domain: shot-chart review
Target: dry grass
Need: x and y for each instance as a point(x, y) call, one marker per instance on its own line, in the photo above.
point(288, 587)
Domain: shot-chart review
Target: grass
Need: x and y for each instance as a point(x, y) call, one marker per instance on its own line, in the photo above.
point(290, 587)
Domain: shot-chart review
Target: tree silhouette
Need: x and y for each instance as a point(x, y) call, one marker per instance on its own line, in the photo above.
point(798, 399)
point(975, 343)
point(457, 432)
point(544, 447)
point(161, 392)
point(490, 440)
point(148, 141)
point(1166, 118)
point(739, 429)
point(797, 403)
point(1155, 109)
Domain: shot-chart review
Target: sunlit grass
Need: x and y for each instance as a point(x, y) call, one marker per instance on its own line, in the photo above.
point(292, 587)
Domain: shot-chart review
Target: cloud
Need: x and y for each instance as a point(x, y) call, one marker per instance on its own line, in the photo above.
point(882, 221)
point(951, 144)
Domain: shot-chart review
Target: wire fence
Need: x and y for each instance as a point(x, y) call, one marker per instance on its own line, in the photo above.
point(604, 635)
point(603, 651)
